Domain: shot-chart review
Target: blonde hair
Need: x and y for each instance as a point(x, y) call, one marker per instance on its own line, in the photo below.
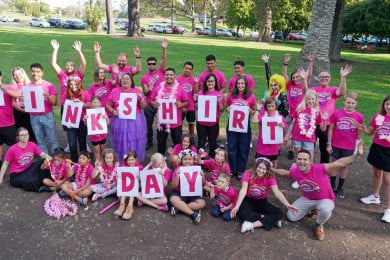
point(352, 95)
point(280, 81)
point(26, 78)
point(158, 157)
point(302, 106)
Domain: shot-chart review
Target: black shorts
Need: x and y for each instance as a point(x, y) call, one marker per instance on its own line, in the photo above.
point(379, 157)
point(99, 142)
point(340, 153)
point(189, 116)
point(8, 135)
point(186, 199)
point(271, 157)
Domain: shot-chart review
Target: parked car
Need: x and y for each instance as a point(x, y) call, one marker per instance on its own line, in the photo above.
point(104, 26)
point(150, 28)
point(162, 29)
point(223, 32)
point(69, 24)
point(206, 31)
point(55, 22)
point(198, 31)
point(234, 33)
point(37, 22)
point(124, 26)
point(292, 36)
point(301, 36)
point(177, 29)
point(277, 35)
point(7, 19)
point(254, 34)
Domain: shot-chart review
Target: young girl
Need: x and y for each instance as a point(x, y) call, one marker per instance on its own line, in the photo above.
point(226, 197)
point(188, 205)
point(252, 205)
point(107, 171)
point(342, 135)
point(131, 160)
point(210, 130)
point(269, 151)
point(98, 141)
point(76, 93)
point(379, 156)
point(60, 170)
point(173, 153)
point(79, 190)
point(238, 148)
point(157, 161)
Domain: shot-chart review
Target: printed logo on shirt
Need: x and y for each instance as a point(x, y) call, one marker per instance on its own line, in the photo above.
point(346, 125)
point(383, 129)
point(187, 87)
point(25, 159)
point(308, 186)
point(223, 200)
point(153, 80)
point(257, 191)
point(101, 92)
point(323, 99)
point(296, 94)
point(240, 102)
point(214, 174)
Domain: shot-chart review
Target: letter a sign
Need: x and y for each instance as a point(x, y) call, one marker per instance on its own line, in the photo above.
point(167, 111)
point(238, 119)
point(127, 106)
point(96, 123)
point(152, 184)
point(207, 108)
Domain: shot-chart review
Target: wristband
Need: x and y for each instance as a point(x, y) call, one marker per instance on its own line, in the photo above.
point(285, 64)
point(138, 57)
point(329, 143)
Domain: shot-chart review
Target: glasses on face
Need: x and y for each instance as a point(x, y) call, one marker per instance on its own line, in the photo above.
point(210, 81)
point(324, 77)
point(24, 135)
point(152, 64)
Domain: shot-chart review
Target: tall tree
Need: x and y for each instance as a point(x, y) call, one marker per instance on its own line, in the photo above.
point(110, 17)
point(240, 14)
point(337, 32)
point(264, 10)
point(134, 17)
point(216, 8)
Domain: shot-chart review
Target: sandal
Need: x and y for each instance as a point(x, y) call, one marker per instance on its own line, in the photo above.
point(128, 213)
point(119, 211)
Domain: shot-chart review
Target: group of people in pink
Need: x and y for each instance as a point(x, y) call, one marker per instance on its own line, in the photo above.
point(299, 113)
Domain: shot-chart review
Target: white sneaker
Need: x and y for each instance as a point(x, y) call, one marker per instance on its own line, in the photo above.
point(371, 199)
point(386, 216)
point(278, 224)
point(89, 149)
point(247, 227)
point(251, 145)
point(295, 185)
point(67, 150)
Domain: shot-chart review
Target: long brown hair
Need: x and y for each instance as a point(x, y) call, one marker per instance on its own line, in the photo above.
point(383, 111)
point(268, 173)
point(69, 92)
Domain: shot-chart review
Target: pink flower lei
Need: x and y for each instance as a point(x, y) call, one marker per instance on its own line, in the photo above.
point(56, 207)
point(107, 177)
point(172, 95)
point(312, 125)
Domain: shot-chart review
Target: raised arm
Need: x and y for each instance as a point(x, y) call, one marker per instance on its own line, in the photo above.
point(305, 79)
point(287, 59)
point(344, 72)
point(342, 162)
point(138, 65)
point(310, 57)
point(54, 63)
point(83, 63)
point(98, 60)
point(164, 46)
point(268, 73)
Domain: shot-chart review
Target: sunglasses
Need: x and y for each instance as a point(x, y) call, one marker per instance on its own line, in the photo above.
point(150, 64)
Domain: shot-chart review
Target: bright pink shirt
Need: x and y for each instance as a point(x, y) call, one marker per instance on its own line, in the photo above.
point(225, 198)
point(294, 95)
point(85, 98)
point(58, 172)
point(6, 114)
point(181, 95)
point(20, 158)
point(188, 84)
point(174, 176)
point(326, 99)
point(47, 88)
point(167, 177)
point(82, 174)
point(177, 149)
point(220, 77)
point(217, 94)
point(152, 79)
point(127, 69)
point(345, 128)
point(116, 94)
point(381, 129)
point(258, 188)
point(266, 149)
point(102, 90)
point(64, 77)
point(251, 82)
point(215, 169)
point(296, 135)
point(315, 184)
point(240, 101)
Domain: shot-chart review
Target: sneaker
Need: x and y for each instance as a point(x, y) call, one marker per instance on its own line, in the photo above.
point(340, 194)
point(81, 202)
point(163, 207)
point(278, 224)
point(62, 194)
point(247, 227)
point(44, 188)
point(173, 212)
point(371, 199)
point(89, 149)
point(67, 150)
point(96, 196)
point(295, 185)
point(196, 217)
point(386, 216)
point(250, 145)
point(206, 144)
point(319, 232)
point(220, 145)
point(290, 155)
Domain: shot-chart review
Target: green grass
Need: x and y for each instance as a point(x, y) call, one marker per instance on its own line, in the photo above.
point(23, 46)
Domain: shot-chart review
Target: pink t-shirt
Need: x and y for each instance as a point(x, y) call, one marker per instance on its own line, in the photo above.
point(307, 116)
point(20, 158)
point(127, 69)
point(47, 88)
point(220, 77)
point(217, 94)
point(294, 95)
point(225, 198)
point(58, 172)
point(315, 185)
point(251, 82)
point(266, 149)
point(174, 176)
point(6, 114)
point(177, 149)
point(85, 98)
point(326, 99)
point(82, 174)
point(116, 93)
point(180, 95)
point(64, 77)
point(345, 128)
point(166, 176)
point(382, 129)
point(240, 101)
point(152, 79)
point(188, 84)
point(102, 90)
point(258, 188)
point(215, 169)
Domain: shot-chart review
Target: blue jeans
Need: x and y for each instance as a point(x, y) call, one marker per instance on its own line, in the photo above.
point(238, 149)
point(216, 212)
point(74, 135)
point(44, 125)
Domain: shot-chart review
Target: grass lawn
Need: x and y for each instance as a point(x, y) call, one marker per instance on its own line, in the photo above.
point(23, 46)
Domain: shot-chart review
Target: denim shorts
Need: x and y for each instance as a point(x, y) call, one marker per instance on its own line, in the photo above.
point(303, 145)
point(340, 153)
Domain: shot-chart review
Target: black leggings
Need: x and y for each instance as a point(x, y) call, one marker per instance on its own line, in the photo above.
point(323, 139)
point(30, 179)
point(209, 133)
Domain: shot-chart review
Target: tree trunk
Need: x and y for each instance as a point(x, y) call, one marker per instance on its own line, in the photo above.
point(213, 24)
point(134, 16)
point(193, 25)
point(110, 18)
point(265, 33)
point(337, 32)
point(318, 37)
point(91, 3)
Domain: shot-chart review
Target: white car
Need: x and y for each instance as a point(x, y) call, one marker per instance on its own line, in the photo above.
point(254, 34)
point(7, 19)
point(223, 32)
point(37, 22)
point(162, 29)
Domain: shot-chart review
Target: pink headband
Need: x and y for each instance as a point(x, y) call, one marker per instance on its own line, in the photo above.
point(265, 159)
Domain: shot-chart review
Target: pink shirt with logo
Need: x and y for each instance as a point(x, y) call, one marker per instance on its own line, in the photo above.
point(222, 101)
point(127, 69)
point(58, 172)
point(326, 99)
point(258, 188)
point(152, 79)
point(215, 169)
point(64, 77)
point(240, 101)
point(177, 149)
point(345, 128)
point(296, 135)
point(315, 184)
point(220, 77)
point(103, 91)
point(82, 174)
point(47, 88)
point(116, 93)
point(267, 149)
point(181, 95)
point(251, 82)
point(225, 198)
point(188, 84)
point(294, 96)
point(382, 129)
point(6, 111)
point(20, 158)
